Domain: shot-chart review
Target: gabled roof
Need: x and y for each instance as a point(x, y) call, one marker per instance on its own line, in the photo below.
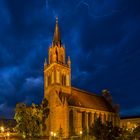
point(80, 98)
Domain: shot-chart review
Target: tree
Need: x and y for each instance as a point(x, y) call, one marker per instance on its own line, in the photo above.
point(104, 131)
point(22, 118)
point(31, 120)
point(136, 132)
point(60, 133)
point(125, 134)
point(85, 133)
point(97, 128)
point(45, 112)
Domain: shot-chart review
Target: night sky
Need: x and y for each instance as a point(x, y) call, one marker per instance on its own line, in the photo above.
point(102, 38)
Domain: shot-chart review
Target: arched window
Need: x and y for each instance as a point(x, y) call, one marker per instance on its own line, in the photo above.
point(100, 116)
point(56, 55)
point(67, 80)
point(49, 80)
point(50, 58)
point(61, 58)
point(52, 77)
point(104, 117)
point(57, 76)
point(83, 120)
point(46, 81)
point(64, 80)
point(89, 119)
point(71, 125)
point(109, 118)
point(95, 116)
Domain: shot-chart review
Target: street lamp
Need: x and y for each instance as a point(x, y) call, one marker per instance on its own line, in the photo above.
point(2, 129)
point(81, 134)
point(51, 133)
point(7, 134)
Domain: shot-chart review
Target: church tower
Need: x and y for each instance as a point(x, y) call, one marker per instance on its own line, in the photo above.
point(71, 109)
point(57, 85)
point(57, 73)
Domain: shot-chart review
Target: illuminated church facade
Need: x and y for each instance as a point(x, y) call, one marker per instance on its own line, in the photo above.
point(72, 110)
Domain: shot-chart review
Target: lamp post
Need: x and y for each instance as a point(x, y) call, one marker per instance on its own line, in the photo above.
point(8, 134)
point(81, 134)
point(2, 130)
point(53, 135)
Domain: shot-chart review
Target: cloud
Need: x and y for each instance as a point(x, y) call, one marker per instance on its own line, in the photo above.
point(6, 111)
point(31, 82)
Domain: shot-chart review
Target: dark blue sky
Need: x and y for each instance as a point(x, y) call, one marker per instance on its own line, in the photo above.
point(101, 36)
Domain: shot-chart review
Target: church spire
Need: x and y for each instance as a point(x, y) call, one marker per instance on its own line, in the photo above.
point(56, 37)
point(57, 50)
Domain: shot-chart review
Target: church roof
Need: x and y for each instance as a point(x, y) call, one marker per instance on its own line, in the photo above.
point(80, 98)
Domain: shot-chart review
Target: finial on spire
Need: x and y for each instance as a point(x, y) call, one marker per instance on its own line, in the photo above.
point(45, 62)
point(56, 19)
point(68, 58)
point(69, 62)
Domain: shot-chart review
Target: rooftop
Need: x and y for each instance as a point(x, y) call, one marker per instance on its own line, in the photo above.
point(81, 98)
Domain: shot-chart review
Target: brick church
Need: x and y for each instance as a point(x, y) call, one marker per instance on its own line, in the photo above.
point(71, 109)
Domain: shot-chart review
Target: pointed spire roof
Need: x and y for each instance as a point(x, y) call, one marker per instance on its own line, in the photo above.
point(56, 37)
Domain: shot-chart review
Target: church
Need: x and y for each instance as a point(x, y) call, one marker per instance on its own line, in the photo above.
point(71, 109)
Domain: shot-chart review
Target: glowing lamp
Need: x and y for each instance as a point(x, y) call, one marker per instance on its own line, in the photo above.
point(54, 134)
point(2, 129)
point(8, 134)
point(51, 133)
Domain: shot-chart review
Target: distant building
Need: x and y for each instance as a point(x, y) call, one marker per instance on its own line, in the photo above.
point(71, 110)
point(8, 123)
point(129, 122)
